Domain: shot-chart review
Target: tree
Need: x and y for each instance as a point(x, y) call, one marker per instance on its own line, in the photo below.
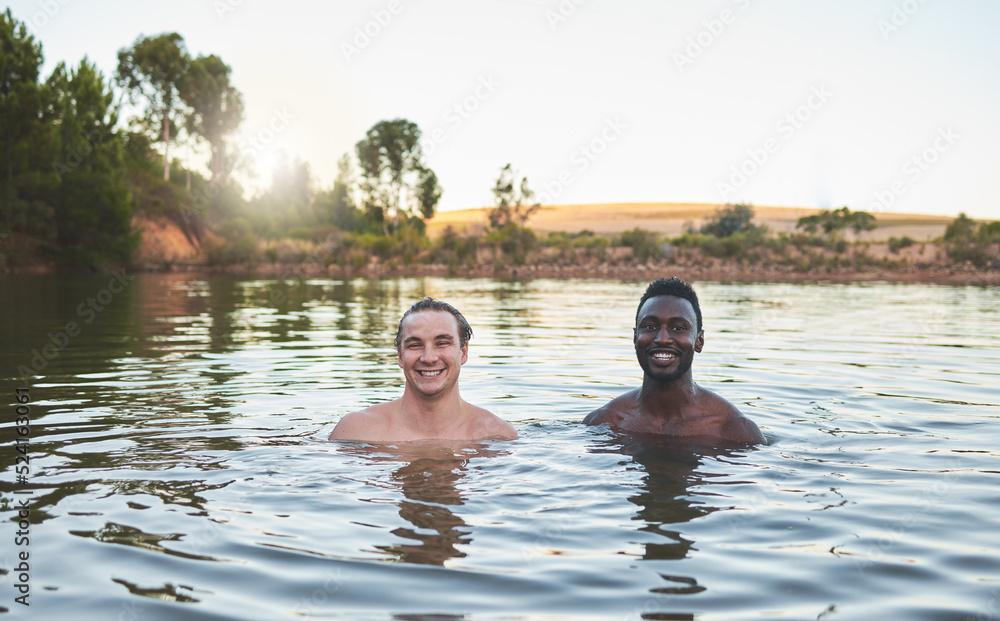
point(395, 181)
point(832, 222)
point(28, 144)
point(151, 72)
point(728, 220)
point(337, 207)
point(215, 108)
point(92, 209)
point(511, 199)
point(960, 229)
point(429, 193)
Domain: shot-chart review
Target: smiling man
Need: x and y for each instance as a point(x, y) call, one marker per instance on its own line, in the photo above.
point(667, 334)
point(432, 344)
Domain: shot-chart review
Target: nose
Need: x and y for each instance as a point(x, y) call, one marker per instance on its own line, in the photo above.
point(663, 335)
point(428, 355)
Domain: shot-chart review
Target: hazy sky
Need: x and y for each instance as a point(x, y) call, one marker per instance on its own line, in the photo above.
point(882, 105)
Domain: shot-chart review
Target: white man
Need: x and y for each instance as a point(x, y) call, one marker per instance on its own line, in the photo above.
point(432, 344)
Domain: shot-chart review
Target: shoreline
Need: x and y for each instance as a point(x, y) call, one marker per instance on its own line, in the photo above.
point(952, 275)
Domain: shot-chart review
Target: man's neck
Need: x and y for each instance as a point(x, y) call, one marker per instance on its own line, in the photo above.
point(430, 415)
point(672, 399)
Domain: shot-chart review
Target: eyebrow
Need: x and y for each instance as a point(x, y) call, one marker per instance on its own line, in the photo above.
point(439, 337)
point(646, 318)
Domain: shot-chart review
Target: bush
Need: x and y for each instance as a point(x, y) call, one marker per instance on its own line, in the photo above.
point(729, 220)
point(452, 248)
point(514, 241)
point(645, 244)
point(960, 229)
point(961, 252)
point(989, 232)
point(898, 243)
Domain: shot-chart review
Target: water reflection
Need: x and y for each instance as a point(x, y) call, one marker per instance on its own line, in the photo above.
point(429, 477)
point(667, 498)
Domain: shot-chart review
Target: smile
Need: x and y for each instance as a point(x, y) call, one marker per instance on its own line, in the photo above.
point(429, 373)
point(664, 356)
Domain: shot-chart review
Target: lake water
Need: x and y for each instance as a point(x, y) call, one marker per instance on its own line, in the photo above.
point(179, 467)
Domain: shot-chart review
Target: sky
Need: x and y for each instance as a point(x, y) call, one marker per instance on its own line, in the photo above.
point(879, 105)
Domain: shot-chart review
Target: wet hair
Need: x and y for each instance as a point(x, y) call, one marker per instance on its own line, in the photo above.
point(671, 286)
point(430, 304)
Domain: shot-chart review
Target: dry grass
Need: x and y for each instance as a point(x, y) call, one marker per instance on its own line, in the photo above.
point(669, 219)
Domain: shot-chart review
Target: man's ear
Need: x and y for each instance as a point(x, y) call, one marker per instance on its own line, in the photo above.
point(465, 352)
point(635, 335)
point(700, 341)
point(399, 358)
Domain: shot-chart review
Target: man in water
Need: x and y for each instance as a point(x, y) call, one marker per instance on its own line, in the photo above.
point(668, 331)
point(432, 344)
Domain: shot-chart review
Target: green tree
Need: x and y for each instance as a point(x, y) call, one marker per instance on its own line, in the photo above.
point(215, 108)
point(728, 220)
point(511, 200)
point(92, 209)
point(833, 222)
point(395, 182)
point(961, 228)
point(428, 193)
point(337, 207)
point(28, 144)
point(151, 72)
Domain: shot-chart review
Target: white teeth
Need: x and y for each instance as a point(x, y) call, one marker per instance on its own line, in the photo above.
point(664, 356)
point(429, 373)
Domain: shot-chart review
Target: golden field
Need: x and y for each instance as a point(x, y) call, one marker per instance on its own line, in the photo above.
point(670, 219)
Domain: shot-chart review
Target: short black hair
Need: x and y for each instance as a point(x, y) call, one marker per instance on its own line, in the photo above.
point(429, 303)
point(671, 286)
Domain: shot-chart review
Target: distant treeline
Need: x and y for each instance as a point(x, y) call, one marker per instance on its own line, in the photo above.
point(81, 154)
point(77, 164)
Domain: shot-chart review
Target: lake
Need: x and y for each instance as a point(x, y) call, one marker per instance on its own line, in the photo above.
point(179, 467)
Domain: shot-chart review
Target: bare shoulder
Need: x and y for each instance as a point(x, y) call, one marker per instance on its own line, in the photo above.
point(488, 425)
point(365, 425)
point(613, 411)
point(733, 425)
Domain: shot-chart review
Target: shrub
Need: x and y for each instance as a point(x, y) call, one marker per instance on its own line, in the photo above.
point(960, 229)
point(898, 243)
point(729, 220)
point(645, 244)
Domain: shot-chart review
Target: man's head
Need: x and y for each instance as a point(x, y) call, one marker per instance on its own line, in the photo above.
point(430, 304)
point(431, 347)
point(667, 330)
point(675, 287)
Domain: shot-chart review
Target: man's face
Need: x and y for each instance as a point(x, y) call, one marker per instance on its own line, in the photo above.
point(667, 337)
point(429, 351)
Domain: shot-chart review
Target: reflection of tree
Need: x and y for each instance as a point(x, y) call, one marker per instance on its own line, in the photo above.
point(428, 476)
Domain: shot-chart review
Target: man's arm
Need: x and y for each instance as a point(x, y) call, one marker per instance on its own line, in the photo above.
point(362, 426)
point(613, 411)
point(490, 426)
point(739, 428)
point(598, 416)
